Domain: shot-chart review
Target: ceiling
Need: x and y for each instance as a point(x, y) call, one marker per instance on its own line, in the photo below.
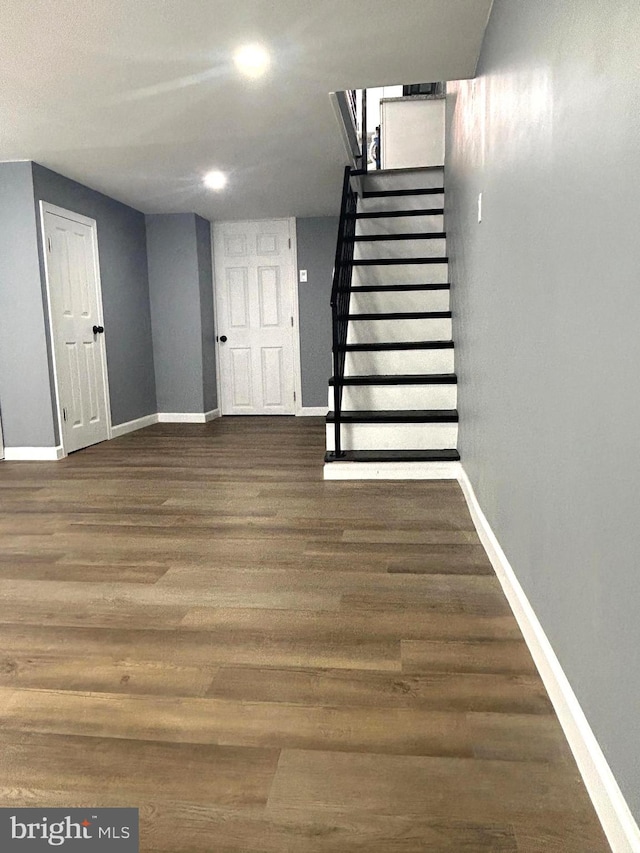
point(139, 98)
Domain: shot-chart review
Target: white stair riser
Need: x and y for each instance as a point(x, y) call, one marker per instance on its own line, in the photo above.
point(400, 224)
point(375, 398)
point(386, 302)
point(395, 436)
point(433, 248)
point(399, 361)
point(389, 274)
point(400, 202)
point(379, 331)
point(409, 179)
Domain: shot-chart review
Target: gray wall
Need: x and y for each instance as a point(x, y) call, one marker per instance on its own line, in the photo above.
point(205, 280)
point(25, 392)
point(181, 290)
point(125, 294)
point(316, 238)
point(181, 312)
point(546, 308)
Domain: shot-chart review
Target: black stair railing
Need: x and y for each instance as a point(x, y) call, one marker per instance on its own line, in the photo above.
point(340, 298)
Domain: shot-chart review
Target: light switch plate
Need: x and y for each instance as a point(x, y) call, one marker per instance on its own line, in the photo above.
point(303, 275)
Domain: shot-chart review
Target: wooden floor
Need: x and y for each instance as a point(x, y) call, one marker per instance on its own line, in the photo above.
point(194, 623)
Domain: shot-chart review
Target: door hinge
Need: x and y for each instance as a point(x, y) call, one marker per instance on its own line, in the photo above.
point(292, 321)
point(294, 396)
point(49, 243)
point(64, 414)
point(289, 242)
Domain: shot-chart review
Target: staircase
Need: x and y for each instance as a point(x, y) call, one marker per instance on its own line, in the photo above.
point(393, 395)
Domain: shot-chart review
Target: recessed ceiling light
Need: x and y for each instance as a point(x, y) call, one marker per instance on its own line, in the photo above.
point(252, 60)
point(215, 180)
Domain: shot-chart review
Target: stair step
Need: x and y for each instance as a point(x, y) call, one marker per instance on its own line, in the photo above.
point(396, 193)
point(398, 379)
point(392, 301)
point(420, 235)
point(394, 456)
point(392, 392)
point(380, 214)
point(395, 345)
point(405, 362)
point(368, 271)
point(387, 326)
point(409, 315)
point(391, 288)
point(390, 203)
point(397, 416)
point(371, 262)
point(406, 178)
point(409, 225)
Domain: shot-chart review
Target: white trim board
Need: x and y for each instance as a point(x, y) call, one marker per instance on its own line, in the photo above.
point(187, 417)
point(611, 807)
point(312, 411)
point(33, 454)
point(165, 418)
point(132, 426)
point(51, 454)
point(391, 470)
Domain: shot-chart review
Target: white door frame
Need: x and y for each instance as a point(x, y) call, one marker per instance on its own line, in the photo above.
point(295, 308)
point(47, 207)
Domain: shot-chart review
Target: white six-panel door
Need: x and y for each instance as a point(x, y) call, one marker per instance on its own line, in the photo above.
point(255, 280)
point(75, 309)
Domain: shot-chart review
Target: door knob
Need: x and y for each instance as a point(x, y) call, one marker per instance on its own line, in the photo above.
point(223, 339)
point(98, 330)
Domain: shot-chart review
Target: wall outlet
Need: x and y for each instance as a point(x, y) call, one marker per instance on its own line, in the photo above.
point(303, 275)
point(479, 207)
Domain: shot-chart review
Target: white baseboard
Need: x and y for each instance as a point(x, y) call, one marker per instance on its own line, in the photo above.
point(186, 417)
point(51, 454)
point(312, 411)
point(391, 470)
point(132, 426)
point(33, 454)
point(617, 821)
point(165, 418)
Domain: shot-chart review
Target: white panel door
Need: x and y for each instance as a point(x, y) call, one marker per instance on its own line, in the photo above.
point(76, 326)
point(255, 278)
